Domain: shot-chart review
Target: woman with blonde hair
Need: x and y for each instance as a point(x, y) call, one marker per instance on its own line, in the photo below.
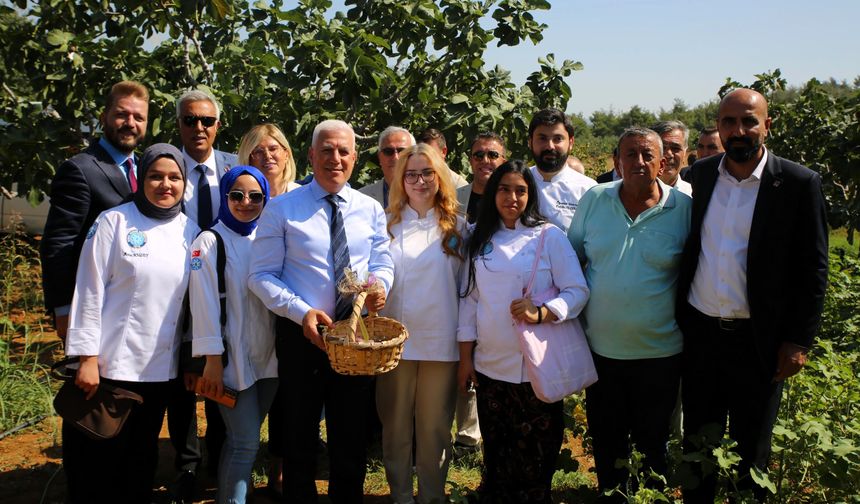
point(418, 397)
point(266, 148)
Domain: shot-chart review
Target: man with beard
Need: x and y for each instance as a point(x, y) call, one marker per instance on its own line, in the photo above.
point(550, 140)
point(751, 290)
point(674, 135)
point(99, 178)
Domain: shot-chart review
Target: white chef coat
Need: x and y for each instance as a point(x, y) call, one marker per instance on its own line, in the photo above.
point(131, 280)
point(560, 196)
point(502, 273)
point(425, 295)
point(250, 331)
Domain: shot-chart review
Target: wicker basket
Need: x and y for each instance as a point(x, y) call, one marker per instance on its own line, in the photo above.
point(378, 355)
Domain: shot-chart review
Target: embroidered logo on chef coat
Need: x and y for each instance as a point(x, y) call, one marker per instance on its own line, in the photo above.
point(196, 263)
point(488, 248)
point(93, 229)
point(136, 239)
point(195, 253)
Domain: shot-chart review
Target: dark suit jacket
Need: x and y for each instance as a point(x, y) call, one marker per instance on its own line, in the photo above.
point(786, 259)
point(605, 177)
point(83, 187)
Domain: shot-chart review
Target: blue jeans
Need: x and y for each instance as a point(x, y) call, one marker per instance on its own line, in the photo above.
point(243, 439)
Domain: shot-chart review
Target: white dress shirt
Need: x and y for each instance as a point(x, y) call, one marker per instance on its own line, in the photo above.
point(560, 196)
point(131, 280)
point(212, 176)
point(502, 274)
point(292, 266)
point(425, 295)
point(719, 286)
point(250, 330)
point(683, 186)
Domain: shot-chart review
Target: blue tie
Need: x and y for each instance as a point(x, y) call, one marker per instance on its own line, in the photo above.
point(340, 254)
point(204, 199)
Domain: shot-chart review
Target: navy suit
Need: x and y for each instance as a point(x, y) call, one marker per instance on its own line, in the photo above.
point(728, 372)
point(83, 187)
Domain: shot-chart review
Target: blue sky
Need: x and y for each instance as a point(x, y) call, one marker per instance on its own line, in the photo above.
point(650, 52)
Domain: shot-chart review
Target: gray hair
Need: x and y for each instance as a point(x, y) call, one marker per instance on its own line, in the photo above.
point(332, 125)
point(638, 131)
point(667, 126)
point(195, 95)
point(395, 129)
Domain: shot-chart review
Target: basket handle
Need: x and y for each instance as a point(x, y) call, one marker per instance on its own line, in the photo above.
point(357, 305)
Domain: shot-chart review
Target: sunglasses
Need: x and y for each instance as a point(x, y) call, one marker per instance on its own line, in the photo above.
point(255, 197)
point(490, 154)
point(389, 151)
point(427, 174)
point(191, 121)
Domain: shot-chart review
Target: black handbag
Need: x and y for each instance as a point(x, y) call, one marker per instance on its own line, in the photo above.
point(99, 417)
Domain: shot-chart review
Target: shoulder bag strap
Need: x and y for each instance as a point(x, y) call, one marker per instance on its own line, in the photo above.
point(528, 290)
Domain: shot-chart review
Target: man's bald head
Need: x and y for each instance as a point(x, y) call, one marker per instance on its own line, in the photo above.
point(744, 124)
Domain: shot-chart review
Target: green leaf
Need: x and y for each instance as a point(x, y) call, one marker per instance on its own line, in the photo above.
point(761, 478)
point(59, 37)
point(459, 98)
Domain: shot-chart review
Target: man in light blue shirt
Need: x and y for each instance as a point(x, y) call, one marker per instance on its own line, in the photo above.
point(293, 273)
point(630, 235)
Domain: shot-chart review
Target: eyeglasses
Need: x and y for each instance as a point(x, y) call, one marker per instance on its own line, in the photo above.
point(389, 151)
point(427, 174)
point(255, 197)
point(272, 150)
point(490, 154)
point(191, 121)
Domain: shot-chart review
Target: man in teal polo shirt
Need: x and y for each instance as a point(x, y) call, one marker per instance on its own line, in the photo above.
point(629, 234)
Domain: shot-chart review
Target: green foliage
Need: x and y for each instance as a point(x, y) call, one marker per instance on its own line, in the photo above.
point(415, 63)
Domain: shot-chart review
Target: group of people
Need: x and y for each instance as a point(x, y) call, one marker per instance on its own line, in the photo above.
point(721, 292)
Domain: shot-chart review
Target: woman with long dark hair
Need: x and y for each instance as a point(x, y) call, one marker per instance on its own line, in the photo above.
point(522, 435)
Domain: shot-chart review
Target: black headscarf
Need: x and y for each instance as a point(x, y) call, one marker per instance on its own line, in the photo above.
point(150, 155)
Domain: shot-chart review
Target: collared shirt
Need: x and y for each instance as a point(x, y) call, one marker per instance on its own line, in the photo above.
point(118, 157)
point(212, 176)
point(683, 186)
point(292, 266)
point(719, 287)
point(502, 273)
point(250, 329)
point(131, 280)
point(632, 270)
point(425, 294)
point(560, 196)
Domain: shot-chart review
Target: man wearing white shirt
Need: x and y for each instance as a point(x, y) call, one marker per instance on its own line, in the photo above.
point(293, 272)
point(550, 140)
point(751, 289)
point(198, 117)
point(674, 135)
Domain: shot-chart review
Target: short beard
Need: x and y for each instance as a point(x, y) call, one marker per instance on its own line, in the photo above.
point(742, 150)
point(549, 166)
point(126, 147)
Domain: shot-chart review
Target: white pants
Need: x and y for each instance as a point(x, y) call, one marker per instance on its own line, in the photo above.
point(423, 394)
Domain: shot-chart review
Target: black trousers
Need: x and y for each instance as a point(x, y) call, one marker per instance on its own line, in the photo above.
point(631, 404)
point(308, 383)
point(121, 469)
point(522, 437)
point(724, 379)
point(182, 427)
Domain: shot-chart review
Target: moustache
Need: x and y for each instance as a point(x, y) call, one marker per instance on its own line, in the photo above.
point(743, 140)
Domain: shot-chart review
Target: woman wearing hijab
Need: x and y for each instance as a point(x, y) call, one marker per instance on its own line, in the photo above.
point(248, 337)
point(124, 320)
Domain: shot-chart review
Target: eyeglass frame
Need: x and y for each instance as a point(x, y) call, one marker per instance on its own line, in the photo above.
point(250, 196)
point(191, 121)
point(489, 154)
point(428, 175)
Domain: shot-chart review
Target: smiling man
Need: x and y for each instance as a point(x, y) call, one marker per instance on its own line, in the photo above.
point(674, 135)
point(751, 290)
point(303, 243)
point(550, 140)
point(487, 154)
point(629, 234)
point(198, 118)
